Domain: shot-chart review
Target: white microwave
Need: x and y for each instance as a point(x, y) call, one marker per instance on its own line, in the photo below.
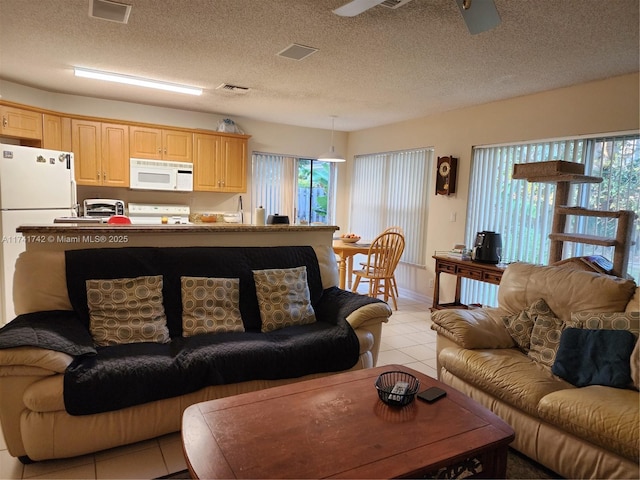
point(160, 175)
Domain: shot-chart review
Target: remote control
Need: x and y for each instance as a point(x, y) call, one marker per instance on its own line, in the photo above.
point(399, 389)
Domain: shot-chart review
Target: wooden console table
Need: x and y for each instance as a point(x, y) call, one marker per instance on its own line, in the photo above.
point(483, 272)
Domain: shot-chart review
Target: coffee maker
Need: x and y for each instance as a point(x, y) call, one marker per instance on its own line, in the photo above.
point(487, 247)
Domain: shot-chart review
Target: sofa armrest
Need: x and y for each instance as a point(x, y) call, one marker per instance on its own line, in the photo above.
point(32, 361)
point(370, 314)
point(364, 314)
point(21, 367)
point(355, 308)
point(478, 328)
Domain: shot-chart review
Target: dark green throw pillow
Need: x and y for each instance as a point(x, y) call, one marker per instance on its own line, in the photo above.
point(595, 357)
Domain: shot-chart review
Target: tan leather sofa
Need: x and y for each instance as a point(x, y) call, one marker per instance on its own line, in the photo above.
point(587, 432)
point(32, 411)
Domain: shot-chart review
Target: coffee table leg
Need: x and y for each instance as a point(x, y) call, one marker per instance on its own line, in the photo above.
point(494, 463)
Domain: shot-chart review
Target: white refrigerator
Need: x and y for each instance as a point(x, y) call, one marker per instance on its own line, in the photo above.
point(36, 186)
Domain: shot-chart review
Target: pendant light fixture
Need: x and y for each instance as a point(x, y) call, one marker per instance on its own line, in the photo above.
point(331, 155)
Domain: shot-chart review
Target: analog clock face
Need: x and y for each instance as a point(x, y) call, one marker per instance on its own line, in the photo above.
point(444, 169)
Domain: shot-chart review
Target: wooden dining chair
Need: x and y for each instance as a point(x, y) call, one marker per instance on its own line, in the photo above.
point(382, 259)
point(394, 284)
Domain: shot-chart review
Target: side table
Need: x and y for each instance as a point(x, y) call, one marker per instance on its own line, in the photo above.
point(483, 272)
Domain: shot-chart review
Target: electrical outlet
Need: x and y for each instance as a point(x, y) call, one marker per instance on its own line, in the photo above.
point(431, 283)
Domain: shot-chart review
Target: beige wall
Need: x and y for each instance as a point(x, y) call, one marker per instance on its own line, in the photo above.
point(599, 107)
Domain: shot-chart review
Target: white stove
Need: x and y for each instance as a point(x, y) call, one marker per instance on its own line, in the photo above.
point(149, 214)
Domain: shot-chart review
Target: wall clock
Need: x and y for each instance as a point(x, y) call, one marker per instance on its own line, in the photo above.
point(446, 175)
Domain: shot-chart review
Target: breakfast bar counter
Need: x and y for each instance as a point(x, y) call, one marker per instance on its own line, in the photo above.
point(70, 236)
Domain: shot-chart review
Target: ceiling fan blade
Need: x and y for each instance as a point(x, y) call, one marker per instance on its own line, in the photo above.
point(479, 15)
point(356, 7)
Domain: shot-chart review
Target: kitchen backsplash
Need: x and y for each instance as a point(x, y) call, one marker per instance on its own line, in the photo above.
point(199, 202)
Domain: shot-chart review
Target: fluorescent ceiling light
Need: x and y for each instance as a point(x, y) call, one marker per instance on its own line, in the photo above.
point(140, 82)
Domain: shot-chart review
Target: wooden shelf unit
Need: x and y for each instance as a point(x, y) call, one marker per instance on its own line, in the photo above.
point(624, 229)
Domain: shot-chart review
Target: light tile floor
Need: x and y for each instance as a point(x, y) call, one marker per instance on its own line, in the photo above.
point(406, 340)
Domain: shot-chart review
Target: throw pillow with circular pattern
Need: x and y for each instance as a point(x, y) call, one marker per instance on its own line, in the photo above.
point(283, 297)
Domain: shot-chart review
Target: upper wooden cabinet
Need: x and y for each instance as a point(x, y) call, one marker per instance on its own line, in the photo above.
point(115, 155)
point(20, 123)
point(219, 163)
point(102, 148)
point(86, 141)
point(56, 132)
point(234, 163)
point(161, 144)
point(101, 153)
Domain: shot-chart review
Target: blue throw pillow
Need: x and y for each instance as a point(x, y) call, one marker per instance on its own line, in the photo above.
point(595, 357)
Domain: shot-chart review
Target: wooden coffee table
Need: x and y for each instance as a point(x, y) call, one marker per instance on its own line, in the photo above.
point(336, 426)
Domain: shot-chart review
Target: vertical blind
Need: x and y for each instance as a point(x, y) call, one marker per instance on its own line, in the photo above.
point(523, 212)
point(273, 184)
point(390, 189)
point(617, 161)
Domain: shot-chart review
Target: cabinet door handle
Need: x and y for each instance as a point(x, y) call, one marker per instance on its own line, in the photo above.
point(5, 122)
point(98, 175)
point(104, 175)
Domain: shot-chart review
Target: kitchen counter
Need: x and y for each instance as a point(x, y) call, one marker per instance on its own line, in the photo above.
point(68, 236)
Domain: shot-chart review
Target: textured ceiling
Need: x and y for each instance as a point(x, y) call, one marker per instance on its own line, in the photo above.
point(383, 66)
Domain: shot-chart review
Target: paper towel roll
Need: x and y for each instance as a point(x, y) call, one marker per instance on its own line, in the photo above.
point(258, 216)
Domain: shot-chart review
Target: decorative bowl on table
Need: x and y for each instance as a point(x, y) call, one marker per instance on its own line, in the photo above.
point(388, 380)
point(351, 238)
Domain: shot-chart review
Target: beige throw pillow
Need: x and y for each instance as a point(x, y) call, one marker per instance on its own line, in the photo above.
point(283, 297)
point(606, 321)
point(127, 310)
point(210, 305)
point(545, 339)
point(521, 324)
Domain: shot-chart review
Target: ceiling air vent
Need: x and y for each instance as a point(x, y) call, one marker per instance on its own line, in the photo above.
point(394, 3)
point(227, 87)
point(297, 52)
point(108, 10)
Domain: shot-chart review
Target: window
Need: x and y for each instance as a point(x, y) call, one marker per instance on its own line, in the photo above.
point(522, 212)
point(389, 189)
point(301, 188)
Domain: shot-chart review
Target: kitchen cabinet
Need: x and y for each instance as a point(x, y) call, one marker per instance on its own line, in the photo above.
point(56, 132)
point(101, 153)
point(161, 144)
point(20, 123)
point(115, 155)
point(219, 163)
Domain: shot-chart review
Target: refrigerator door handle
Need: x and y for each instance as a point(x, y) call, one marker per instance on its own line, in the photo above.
point(75, 206)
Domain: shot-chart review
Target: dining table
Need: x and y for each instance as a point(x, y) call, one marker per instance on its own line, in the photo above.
point(345, 252)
